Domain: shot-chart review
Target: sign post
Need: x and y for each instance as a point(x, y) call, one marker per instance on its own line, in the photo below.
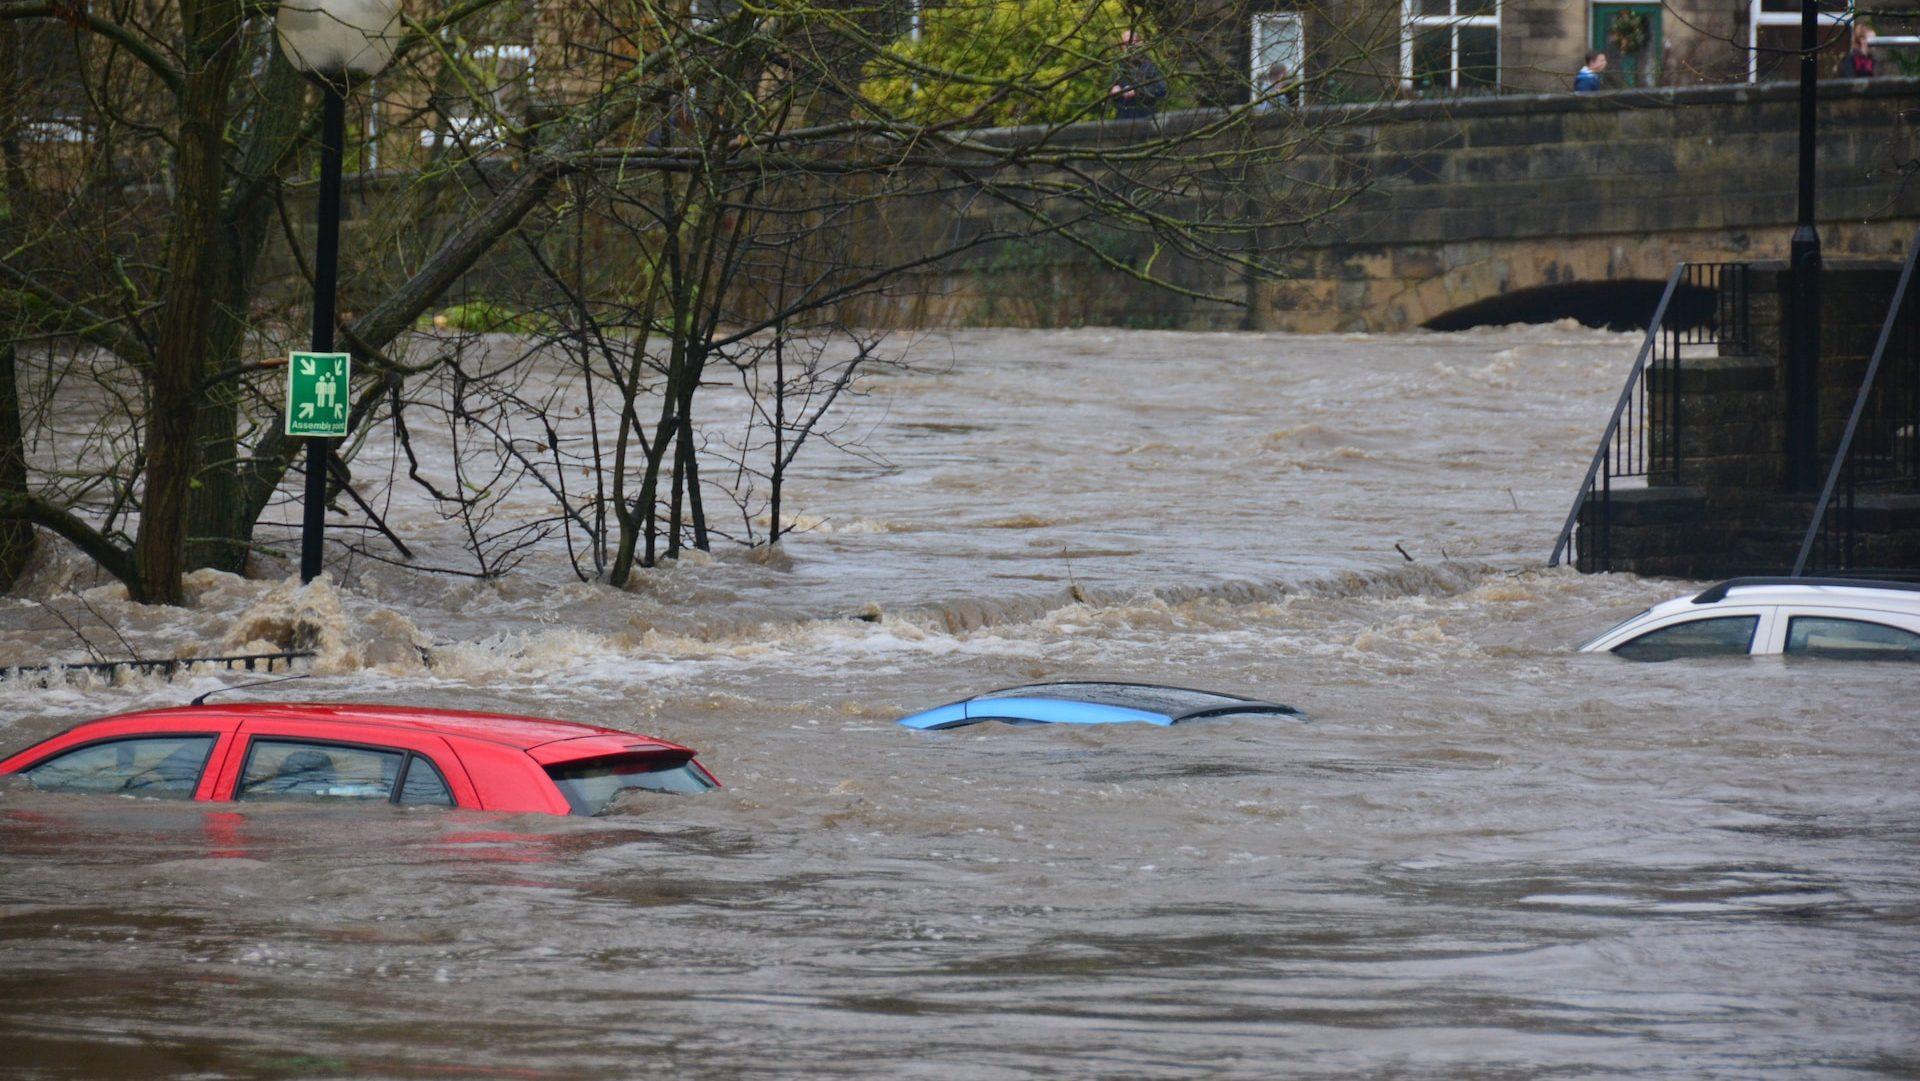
point(316, 412)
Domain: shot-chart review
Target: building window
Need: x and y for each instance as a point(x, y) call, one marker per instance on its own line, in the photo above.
point(1450, 47)
point(52, 99)
point(1773, 37)
point(1279, 55)
point(488, 102)
point(708, 12)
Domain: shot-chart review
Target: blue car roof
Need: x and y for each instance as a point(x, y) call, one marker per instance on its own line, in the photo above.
point(1089, 702)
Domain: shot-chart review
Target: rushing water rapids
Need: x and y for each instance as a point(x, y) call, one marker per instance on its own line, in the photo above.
point(1484, 855)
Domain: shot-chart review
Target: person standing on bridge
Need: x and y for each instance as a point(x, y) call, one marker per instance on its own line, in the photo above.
point(1276, 89)
point(1860, 57)
point(1589, 78)
point(1138, 85)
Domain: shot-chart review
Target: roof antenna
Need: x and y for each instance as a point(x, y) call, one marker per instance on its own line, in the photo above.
point(202, 700)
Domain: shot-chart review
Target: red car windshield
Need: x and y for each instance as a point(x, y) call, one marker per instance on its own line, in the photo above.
point(590, 787)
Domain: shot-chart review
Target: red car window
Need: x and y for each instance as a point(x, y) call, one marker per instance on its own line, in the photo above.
point(363, 761)
point(422, 786)
point(297, 770)
point(161, 767)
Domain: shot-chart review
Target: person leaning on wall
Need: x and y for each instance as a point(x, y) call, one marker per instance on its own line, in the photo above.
point(1275, 89)
point(1589, 78)
point(1138, 85)
point(1860, 57)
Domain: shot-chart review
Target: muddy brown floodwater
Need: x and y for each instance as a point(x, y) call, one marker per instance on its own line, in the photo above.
point(1483, 856)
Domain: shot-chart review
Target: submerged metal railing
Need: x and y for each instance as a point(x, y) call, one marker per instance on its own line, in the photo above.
point(1879, 452)
point(1704, 304)
point(251, 662)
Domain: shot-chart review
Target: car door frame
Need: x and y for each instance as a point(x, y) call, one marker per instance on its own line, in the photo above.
point(434, 749)
point(1785, 613)
point(1762, 631)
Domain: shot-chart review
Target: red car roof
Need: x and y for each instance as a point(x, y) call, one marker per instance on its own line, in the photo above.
point(525, 733)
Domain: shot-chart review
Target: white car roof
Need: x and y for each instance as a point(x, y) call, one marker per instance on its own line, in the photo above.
point(1903, 597)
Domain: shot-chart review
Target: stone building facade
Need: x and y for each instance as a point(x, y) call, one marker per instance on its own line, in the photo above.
point(1352, 50)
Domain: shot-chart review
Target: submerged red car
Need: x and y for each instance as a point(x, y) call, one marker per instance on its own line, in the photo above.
point(257, 752)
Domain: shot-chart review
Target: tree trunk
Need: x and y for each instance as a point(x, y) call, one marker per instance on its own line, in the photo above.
point(195, 266)
point(673, 504)
point(219, 528)
point(696, 510)
point(16, 536)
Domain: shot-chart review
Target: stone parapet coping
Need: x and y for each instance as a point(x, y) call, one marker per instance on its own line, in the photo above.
point(1183, 121)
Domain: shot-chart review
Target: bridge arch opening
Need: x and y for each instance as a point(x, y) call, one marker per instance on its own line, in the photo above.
point(1614, 305)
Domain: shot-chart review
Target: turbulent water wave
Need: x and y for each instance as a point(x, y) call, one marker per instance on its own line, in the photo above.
point(1478, 854)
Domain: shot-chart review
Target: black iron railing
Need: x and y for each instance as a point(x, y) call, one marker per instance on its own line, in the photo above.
point(1704, 304)
point(251, 662)
point(1879, 452)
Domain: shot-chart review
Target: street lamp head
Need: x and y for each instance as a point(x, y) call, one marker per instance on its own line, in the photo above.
point(339, 41)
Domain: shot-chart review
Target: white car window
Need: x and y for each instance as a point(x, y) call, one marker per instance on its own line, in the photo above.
point(1715, 636)
point(1828, 636)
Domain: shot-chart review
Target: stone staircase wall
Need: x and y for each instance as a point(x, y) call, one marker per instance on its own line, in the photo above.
point(1725, 510)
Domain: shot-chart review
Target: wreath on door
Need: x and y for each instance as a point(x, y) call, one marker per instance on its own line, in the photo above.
point(1628, 32)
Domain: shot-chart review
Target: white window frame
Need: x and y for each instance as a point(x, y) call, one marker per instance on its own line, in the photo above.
point(70, 129)
point(1257, 70)
point(1756, 18)
point(1412, 22)
point(478, 129)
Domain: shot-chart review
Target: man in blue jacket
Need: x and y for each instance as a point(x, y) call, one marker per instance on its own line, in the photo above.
point(1589, 78)
point(1138, 85)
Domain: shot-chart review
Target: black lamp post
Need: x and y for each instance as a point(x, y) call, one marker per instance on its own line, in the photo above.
point(337, 44)
point(1803, 339)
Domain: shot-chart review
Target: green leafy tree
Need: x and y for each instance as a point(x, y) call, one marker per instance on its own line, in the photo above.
point(1007, 62)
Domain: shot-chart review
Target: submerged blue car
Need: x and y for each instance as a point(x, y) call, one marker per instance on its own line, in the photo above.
point(1093, 703)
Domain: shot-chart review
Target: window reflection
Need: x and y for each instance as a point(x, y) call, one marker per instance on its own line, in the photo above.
point(1723, 636)
point(164, 767)
point(1851, 638)
point(279, 770)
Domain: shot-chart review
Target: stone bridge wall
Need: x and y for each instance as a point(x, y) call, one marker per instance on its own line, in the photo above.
point(1478, 198)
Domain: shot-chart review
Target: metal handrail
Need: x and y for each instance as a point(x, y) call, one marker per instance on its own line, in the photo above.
point(1619, 410)
point(1842, 452)
point(166, 666)
point(1647, 441)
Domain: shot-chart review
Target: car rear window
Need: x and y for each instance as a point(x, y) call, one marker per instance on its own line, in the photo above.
point(590, 787)
point(1168, 701)
point(1236, 713)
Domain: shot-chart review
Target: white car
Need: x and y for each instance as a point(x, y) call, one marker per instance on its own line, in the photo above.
point(1823, 617)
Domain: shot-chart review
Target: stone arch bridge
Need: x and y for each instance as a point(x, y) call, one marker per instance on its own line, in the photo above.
point(1515, 208)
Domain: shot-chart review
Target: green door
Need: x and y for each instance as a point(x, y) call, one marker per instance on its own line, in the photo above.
point(1630, 34)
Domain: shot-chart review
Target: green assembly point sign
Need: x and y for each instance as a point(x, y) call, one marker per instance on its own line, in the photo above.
point(317, 395)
